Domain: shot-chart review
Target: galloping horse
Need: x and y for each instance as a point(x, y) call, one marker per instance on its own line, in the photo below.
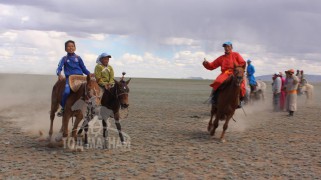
point(88, 91)
point(112, 99)
point(227, 102)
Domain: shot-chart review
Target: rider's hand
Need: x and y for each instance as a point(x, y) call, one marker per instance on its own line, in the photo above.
point(107, 86)
point(92, 75)
point(205, 61)
point(60, 77)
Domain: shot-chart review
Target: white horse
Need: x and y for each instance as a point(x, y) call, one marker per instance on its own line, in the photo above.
point(306, 89)
point(258, 93)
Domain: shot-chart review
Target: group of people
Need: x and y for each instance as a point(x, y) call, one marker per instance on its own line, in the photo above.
point(72, 64)
point(285, 91)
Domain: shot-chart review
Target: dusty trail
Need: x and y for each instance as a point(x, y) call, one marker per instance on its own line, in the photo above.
point(167, 126)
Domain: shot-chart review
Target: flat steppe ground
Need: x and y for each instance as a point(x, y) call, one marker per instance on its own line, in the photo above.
point(167, 136)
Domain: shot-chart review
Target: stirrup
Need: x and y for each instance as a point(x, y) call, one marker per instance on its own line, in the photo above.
point(240, 105)
point(61, 112)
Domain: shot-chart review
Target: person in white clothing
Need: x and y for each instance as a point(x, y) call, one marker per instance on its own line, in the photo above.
point(276, 89)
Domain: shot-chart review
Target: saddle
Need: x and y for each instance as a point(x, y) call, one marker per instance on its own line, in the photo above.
point(75, 81)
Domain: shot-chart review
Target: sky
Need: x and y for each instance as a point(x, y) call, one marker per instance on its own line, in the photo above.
point(160, 38)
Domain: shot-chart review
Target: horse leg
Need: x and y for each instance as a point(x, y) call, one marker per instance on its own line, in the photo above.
point(215, 126)
point(65, 122)
point(52, 118)
point(225, 128)
point(118, 126)
point(209, 127)
point(79, 117)
point(53, 110)
point(86, 127)
point(105, 132)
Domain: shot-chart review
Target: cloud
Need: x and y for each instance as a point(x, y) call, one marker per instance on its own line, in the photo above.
point(169, 34)
point(180, 41)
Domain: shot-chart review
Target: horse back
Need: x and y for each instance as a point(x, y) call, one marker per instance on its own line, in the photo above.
point(261, 85)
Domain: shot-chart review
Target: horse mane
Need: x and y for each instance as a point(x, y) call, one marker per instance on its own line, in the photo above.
point(226, 82)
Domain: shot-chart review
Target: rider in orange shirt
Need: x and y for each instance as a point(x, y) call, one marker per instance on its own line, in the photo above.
point(227, 62)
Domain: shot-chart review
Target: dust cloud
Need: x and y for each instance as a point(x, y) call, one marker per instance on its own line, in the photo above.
point(25, 100)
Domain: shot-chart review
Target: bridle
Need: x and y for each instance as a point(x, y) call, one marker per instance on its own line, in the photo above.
point(117, 93)
point(238, 78)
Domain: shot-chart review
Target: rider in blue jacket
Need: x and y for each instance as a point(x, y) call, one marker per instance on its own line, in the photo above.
point(73, 65)
point(250, 75)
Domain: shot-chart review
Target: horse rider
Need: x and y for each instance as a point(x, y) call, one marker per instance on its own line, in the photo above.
point(303, 81)
point(104, 72)
point(250, 75)
point(73, 65)
point(227, 63)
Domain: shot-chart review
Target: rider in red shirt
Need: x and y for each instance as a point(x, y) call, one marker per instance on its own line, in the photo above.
point(227, 63)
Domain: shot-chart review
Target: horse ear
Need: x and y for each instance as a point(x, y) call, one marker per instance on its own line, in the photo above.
point(127, 82)
point(116, 82)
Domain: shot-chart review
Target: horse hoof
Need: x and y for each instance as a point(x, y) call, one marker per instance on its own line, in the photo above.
point(50, 145)
point(58, 137)
point(212, 133)
point(223, 140)
point(48, 139)
point(105, 147)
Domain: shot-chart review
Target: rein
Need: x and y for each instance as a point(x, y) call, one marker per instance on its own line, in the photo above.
point(117, 94)
point(86, 97)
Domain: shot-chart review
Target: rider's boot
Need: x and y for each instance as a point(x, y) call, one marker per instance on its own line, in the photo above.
point(241, 102)
point(61, 112)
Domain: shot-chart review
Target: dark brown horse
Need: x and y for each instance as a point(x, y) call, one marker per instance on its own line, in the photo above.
point(88, 92)
point(111, 102)
point(227, 102)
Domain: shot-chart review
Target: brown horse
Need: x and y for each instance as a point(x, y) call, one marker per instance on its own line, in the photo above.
point(111, 102)
point(227, 102)
point(89, 92)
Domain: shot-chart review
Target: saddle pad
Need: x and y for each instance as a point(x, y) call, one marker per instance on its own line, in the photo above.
point(75, 81)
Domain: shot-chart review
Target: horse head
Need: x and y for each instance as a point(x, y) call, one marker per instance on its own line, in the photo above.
point(122, 91)
point(92, 91)
point(238, 74)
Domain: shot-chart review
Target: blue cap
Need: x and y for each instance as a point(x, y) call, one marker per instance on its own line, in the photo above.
point(249, 60)
point(105, 55)
point(228, 43)
point(102, 56)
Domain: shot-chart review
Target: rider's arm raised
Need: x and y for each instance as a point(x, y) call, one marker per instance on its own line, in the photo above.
point(213, 65)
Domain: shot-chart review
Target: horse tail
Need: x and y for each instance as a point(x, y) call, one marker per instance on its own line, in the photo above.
point(56, 96)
